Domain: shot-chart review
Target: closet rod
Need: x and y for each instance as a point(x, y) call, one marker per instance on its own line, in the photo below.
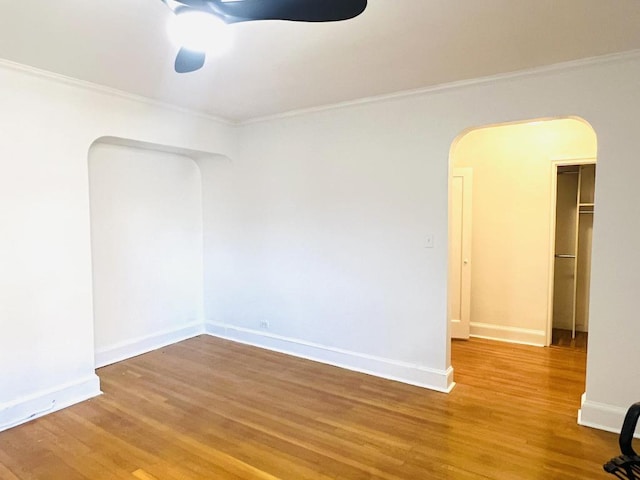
point(561, 255)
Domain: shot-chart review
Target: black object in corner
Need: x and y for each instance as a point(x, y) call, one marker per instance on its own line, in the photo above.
point(627, 465)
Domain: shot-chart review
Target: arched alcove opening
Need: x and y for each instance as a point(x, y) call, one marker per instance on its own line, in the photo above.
point(146, 207)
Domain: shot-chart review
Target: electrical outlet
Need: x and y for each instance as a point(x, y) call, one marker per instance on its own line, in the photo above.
point(264, 324)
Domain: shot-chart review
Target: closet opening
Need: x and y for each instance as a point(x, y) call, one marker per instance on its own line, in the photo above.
point(574, 214)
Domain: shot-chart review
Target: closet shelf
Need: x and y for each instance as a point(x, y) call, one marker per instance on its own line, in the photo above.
point(586, 208)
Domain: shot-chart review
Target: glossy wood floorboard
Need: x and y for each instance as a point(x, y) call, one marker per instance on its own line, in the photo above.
point(564, 338)
point(211, 409)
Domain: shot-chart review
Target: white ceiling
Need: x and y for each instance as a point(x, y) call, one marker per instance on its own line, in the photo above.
point(276, 67)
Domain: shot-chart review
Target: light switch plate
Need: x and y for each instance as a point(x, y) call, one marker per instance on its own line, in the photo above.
point(429, 241)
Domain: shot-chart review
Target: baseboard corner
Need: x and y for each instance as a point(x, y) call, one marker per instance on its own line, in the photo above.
point(138, 346)
point(601, 416)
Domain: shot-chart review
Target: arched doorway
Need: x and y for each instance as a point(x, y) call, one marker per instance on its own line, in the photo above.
point(503, 262)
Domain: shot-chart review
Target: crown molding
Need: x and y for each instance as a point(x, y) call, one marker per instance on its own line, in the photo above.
point(450, 86)
point(63, 79)
point(443, 87)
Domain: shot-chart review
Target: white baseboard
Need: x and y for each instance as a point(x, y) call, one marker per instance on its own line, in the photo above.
point(439, 380)
point(523, 336)
point(48, 401)
point(138, 346)
point(602, 416)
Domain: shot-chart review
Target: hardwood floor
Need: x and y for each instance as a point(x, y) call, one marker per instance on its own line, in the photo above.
point(211, 409)
point(562, 338)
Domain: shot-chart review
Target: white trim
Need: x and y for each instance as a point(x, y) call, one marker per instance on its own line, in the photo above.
point(565, 161)
point(412, 374)
point(63, 79)
point(41, 403)
point(195, 155)
point(524, 336)
point(138, 346)
point(602, 416)
point(456, 85)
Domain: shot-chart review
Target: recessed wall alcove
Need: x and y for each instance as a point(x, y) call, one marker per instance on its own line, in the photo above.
point(146, 206)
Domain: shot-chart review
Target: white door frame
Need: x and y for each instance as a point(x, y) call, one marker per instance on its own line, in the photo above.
point(555, 163)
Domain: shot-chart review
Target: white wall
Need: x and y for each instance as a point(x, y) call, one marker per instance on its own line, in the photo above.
point(512, 215)
point(330, 216)
point(46, 320)
point(324, 232)
point(146, 243)
point(331, 209)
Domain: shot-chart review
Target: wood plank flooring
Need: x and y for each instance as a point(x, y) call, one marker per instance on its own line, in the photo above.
point(562, 338)
point(211, 409)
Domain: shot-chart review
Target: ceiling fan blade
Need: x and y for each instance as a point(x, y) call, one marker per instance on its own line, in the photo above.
point(294, 10)
point(189, 61)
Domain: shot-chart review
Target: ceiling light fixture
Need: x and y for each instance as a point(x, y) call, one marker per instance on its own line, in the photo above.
point(198, 26)
point(199, 31)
